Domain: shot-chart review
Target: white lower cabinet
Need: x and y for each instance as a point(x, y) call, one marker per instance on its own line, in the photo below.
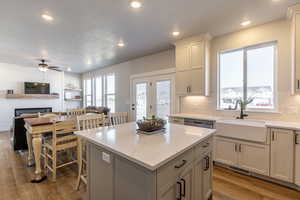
point(245, 155)
point(225, 151)
point(297, 157)
point(254, 157)
point(282, 154)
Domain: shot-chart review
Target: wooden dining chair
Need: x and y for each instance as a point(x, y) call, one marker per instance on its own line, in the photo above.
point(76, 112)
point(85, 122)
point(62, 139)
point(118, 118)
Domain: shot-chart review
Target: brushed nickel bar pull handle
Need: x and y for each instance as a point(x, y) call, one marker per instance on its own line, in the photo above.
point(240, 147)
point(273, 136)
point(235, 147)
point(296, 138)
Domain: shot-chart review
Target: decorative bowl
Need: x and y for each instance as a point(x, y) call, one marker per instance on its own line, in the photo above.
point(152, 124)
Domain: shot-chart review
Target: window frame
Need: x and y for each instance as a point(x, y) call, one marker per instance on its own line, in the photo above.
point(245, 49)
point(104, 93)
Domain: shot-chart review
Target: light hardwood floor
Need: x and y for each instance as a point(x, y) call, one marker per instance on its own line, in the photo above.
point(15, 182)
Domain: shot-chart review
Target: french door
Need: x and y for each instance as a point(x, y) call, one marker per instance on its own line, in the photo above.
point(152, 96)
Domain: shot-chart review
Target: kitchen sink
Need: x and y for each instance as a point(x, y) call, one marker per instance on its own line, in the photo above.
point(249, 130)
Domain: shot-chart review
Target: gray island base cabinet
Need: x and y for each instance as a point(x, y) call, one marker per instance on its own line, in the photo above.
point(186, 177)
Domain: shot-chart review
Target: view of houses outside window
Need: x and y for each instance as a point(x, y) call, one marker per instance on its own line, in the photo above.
point(248, 73)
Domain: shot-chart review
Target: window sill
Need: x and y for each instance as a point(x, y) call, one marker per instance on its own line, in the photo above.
point(252, 111)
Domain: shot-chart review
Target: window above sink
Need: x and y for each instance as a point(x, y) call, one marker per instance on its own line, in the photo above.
point(248, 72)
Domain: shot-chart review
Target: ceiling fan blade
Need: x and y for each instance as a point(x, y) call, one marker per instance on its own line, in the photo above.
point(55, 68)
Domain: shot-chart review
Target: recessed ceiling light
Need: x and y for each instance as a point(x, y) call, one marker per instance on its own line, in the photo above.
point(47, 17)
point(176, 33)
point(136, 4)
point(69, 69)
point(246, 23)
point(121, 44)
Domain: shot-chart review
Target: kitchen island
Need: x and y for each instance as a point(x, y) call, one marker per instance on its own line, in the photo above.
point(124, 165)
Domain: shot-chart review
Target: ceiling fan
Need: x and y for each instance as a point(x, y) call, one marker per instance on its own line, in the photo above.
point(43, 66)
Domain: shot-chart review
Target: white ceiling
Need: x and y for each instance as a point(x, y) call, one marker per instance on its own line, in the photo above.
point(86, 31)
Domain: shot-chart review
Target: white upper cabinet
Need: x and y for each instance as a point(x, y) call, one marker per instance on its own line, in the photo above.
point(192, 66)
point(294, 15)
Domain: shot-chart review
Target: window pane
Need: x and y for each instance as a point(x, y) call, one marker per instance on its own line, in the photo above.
point(99, 91)
point(88, 87)
point(111, 102)
point(231, 78)
point(163, 99)
point(110, 84)
point(88, 100)
point(141, 100)
point(260, 77)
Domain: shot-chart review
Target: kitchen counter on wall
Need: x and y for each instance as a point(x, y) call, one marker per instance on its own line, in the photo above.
point(195, 116)
point(270, 124)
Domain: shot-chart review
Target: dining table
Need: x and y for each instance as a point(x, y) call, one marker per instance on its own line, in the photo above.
point(35, 129)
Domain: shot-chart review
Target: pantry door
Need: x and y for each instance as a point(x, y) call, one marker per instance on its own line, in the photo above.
point(152, 96)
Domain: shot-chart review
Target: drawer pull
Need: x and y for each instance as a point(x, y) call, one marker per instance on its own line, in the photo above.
point(181, 165)
point(296, 139)
point(205, 145)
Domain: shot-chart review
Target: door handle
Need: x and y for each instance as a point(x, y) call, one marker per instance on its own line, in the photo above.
point(240, 147)
point(235, 147)
point(178, 197)
point(273, 136)
point(183, 193)
point(296, 138)
point(298, 84)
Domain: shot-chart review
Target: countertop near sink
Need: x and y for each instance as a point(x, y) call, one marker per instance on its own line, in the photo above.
point(268, 123)
point(195, 116)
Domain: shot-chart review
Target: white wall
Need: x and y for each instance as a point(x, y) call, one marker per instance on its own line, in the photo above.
point(13, 77)
point(289, 106)
point(123, 71)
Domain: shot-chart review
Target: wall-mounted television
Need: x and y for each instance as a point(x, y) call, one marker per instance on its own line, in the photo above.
point(36, 88)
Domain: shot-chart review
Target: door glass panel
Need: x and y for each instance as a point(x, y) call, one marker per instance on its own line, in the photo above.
point(141, 100)
point(163, 98)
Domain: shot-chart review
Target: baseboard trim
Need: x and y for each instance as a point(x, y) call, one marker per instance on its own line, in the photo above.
point(266, 178)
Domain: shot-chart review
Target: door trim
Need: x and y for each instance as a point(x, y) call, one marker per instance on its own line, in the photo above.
point(170, 72)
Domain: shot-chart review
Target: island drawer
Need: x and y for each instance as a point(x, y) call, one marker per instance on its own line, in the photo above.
point(204, 147)
point(170, 171)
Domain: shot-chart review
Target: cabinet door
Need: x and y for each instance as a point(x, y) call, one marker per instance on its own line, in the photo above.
point(186, 179)
point(297, 51)
point(225, 151)
point(282, 154)
point(207, 177)
point(254, 158)
point(170, 193)
point(196, 78)
point(183, 81)
point(183, 57)
point(297, 159)
point(198, 177)
point(197, 54)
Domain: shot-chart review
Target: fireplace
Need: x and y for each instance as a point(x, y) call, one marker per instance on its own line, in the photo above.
point(18, 136)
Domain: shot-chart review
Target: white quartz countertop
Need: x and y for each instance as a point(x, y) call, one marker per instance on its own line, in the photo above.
point(150, 151)
point(195, 116)
point(267, 123)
